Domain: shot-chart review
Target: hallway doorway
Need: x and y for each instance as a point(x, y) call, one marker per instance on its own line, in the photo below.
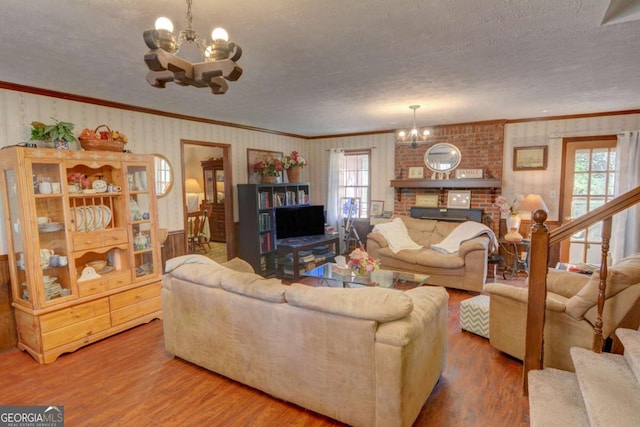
point(210, 193)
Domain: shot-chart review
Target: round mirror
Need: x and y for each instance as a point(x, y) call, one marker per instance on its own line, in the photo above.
point(442, 158)
point(164, 175)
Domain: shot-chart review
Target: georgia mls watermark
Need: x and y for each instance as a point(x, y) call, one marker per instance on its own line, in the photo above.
point(31, 416)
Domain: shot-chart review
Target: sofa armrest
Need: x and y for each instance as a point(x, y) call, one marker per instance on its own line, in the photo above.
point(427, 301)
point(480, 243)
point(554, 303)
point(375, 242)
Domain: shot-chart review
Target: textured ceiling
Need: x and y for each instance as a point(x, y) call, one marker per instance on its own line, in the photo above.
point(343, 66)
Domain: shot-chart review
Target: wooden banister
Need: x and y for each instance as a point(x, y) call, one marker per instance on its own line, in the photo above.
point(541, 240)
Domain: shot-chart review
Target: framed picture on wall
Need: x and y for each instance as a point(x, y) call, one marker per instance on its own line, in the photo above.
point(459, 199)
point(427, 200)
point(416, 172)
point(377, 207)
point(255, 156)
point(530, 158)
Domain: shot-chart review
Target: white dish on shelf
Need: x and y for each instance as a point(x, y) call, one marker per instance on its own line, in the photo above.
point(99, 185)
point(49, 227)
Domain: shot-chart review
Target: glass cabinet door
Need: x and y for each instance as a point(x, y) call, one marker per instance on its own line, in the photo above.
point(209, 185)
point(142, 229)
point(49, 264)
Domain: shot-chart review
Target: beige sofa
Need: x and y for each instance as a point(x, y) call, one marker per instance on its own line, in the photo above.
point(570, 312)
point(366, 357)
point(464, 269)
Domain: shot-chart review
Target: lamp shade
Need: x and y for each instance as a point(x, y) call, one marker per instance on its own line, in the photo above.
point(533, 203)
point(191, 185)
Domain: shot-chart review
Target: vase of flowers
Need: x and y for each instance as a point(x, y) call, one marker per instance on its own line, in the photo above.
point(77, 181)
point(293, 163)
point(361, 263)
point(510, 211)
point(268, 167)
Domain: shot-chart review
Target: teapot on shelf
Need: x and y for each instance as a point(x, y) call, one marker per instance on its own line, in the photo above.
point(45, 256)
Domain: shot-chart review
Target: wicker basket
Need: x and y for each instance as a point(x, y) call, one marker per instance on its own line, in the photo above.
point(102, 144)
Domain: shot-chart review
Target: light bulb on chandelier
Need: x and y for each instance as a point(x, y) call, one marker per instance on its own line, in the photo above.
point(413, 136)
point(219, 57)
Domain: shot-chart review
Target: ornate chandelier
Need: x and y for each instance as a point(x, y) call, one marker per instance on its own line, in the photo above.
point(218, 63)
point(413, 136)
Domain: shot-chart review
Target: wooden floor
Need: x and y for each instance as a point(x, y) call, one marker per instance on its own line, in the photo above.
point(129, 380)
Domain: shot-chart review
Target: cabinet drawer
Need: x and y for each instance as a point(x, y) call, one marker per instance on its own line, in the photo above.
point(74, 323)
point(116, 280)
point(115, 236)
point(69, 316)
point(99, 238)
point(83, 241)
point(76, 331)
point(134, 296)
point(134, 311)
point(92, 287)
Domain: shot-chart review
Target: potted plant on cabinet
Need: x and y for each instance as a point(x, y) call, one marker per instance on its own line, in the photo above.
point(57, 135)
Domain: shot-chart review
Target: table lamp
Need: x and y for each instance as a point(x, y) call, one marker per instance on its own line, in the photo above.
point(533, 203)
point(192, 188)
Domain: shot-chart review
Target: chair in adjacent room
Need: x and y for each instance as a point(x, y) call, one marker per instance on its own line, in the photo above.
point(196, 222)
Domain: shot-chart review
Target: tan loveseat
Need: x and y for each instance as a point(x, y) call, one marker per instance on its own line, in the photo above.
point(465, 269)
point(571, 311)
point(366, 357)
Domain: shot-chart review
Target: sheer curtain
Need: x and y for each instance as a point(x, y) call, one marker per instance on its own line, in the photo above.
point(626, 225)
point(336, 159)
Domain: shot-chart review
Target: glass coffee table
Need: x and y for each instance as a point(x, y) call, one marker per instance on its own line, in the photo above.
point(381, 278)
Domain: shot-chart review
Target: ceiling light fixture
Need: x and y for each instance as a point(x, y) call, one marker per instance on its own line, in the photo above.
point(218, 63)
point(415, 135)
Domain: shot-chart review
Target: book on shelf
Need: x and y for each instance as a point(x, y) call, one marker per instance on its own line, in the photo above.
point(264, 221)
point(263, 200)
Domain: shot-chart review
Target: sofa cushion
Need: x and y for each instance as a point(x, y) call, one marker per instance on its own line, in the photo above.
point(625, 273)
point(254, 286)
point(379, 304)
point(204, 275)
point(431, 258)
point(176, 262)
point(396, 234)
point(238, 264)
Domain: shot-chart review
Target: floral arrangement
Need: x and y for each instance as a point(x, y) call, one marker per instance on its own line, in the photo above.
point(361, 262)
point(293, 160)
point(507, 208)
point(78, 178)
point(267, 166)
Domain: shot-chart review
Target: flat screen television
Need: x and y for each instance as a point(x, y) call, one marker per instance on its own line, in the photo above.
point(299, 221)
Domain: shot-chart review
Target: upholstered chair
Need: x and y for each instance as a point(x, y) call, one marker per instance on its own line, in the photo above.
point(571, 311)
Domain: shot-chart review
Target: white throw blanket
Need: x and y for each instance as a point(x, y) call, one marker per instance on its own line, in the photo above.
point(463, 232)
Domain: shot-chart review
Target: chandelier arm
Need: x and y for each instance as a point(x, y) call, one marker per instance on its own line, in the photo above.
point(238, 51)
point(150, 37)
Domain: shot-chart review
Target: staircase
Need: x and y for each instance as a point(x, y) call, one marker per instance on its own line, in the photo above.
point(604, 390)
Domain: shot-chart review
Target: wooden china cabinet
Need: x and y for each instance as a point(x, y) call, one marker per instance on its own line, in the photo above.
point(84, 258)
point(213, 178)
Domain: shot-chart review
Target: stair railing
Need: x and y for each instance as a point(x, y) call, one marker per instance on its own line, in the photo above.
point(541, 240)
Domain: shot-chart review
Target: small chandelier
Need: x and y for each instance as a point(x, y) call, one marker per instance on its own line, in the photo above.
point(415, 135)
point(219, 57)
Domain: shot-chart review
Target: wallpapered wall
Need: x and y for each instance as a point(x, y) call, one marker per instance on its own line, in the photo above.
point(547, 183)
point(147, 133)
point(155, 134)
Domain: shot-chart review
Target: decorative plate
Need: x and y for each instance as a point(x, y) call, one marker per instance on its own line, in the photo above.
point(99, 185)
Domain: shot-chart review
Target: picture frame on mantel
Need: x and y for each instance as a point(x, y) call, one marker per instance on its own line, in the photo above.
point(530, 158)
